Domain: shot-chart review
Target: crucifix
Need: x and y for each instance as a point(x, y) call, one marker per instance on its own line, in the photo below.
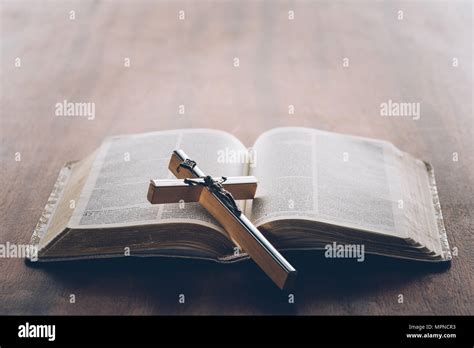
point(217, 196)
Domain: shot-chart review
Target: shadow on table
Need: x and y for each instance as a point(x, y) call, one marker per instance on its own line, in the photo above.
point(152, 285)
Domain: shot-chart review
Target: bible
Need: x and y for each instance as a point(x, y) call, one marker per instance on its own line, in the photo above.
point(315, 189)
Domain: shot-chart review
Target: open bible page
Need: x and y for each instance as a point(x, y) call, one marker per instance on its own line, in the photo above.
point(115, 193)
point(342, 180)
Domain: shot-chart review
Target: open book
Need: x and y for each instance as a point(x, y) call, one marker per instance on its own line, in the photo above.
point(315, 188)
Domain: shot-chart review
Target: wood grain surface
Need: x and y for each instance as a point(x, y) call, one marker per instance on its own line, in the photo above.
point(190, 62)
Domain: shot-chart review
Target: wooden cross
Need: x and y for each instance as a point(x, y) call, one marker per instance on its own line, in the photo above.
point(218, 196)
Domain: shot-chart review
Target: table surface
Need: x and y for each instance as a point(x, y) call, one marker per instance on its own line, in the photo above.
point(424, 57)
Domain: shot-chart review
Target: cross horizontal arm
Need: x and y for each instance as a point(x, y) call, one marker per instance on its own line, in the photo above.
point(174, 191)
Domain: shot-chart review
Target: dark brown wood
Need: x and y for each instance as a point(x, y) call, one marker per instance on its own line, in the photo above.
point(190, 63)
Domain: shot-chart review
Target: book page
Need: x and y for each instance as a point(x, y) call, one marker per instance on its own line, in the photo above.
point(343, 180)
point(115, 193)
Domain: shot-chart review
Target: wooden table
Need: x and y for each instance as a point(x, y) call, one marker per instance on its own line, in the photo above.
point(190, 62)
